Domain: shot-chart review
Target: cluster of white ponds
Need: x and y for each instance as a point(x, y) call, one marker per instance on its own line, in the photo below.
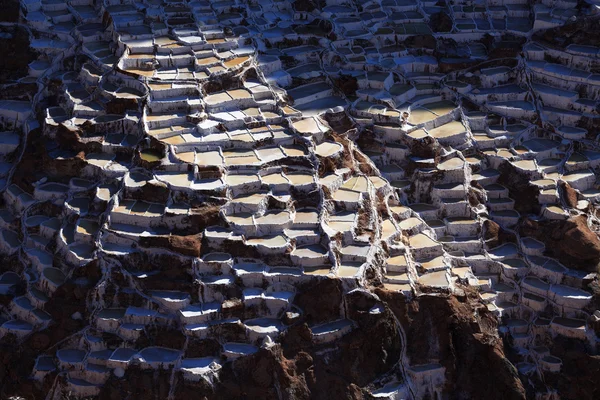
point(153, 112)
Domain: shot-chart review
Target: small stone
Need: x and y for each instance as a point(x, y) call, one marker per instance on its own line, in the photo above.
point(267, 342)
point(291, 317)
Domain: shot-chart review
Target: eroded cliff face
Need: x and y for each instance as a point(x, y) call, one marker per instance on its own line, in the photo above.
point(461, 334)
point(571, 241)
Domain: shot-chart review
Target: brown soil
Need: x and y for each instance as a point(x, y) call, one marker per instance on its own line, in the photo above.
point(570, 241)
point(520, 190)
point(320, 299)
point(10, 11)
point(578, 377)
point(462, 334)
point(15, 50)
point(495, 236)
point(568, 194)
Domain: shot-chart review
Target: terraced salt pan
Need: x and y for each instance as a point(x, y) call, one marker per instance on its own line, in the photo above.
point(327, 149)
point(243, 185)
point(261, 327)
point(299, 179)
point(421, 240)
point(448, 130)
point(421, 115)
point(435, 279)
point(346, 195)
point(503, 251)
point(343, 221)
point(277, 241)
point(309, 126)
point(540, 145)
point(411, 223)
point(451, 164)
point(313, 255)
point(331, 330)
point(234, 350)
point(348, 269)
point(158, 355)
point(527, 165)
point(433, 264)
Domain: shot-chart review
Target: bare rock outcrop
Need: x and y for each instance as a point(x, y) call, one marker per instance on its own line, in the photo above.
point(462, 334)
point(571, 241)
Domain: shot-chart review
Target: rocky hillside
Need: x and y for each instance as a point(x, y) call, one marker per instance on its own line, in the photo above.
point(336, 199)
